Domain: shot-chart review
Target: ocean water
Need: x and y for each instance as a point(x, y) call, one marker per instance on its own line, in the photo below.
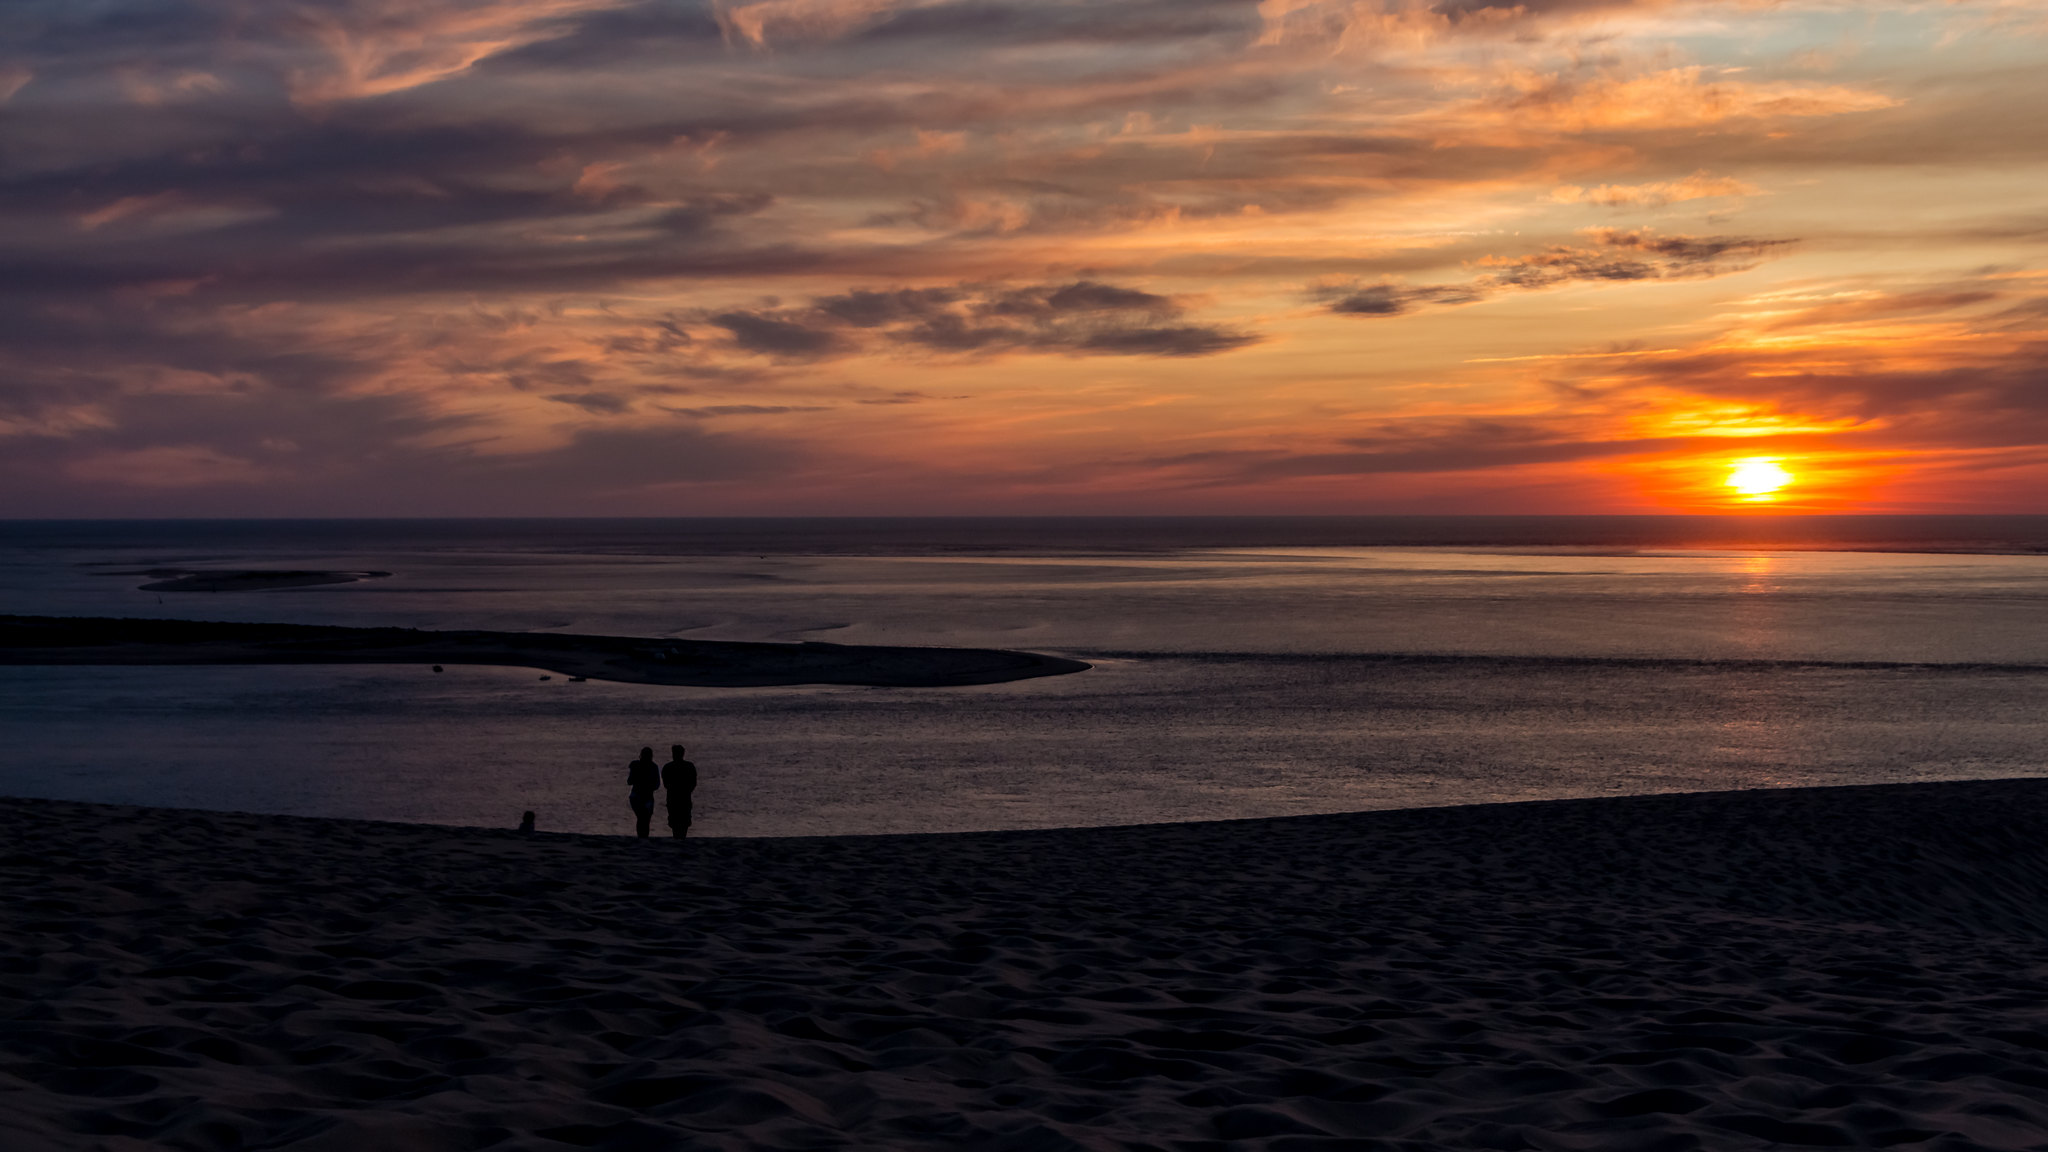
point(1243, 667)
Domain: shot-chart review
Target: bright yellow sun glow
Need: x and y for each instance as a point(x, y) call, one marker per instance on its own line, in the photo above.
point(1757, 477)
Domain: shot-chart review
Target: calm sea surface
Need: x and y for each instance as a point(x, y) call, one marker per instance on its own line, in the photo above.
point(1243, 667)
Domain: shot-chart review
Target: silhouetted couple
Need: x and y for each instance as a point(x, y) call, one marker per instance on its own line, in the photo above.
point(678, 776)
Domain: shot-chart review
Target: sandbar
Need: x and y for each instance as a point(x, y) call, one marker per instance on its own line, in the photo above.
point(1847, 967)
point(255, 580)
point(633, 660)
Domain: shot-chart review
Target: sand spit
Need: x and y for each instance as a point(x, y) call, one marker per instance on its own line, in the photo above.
point(1857, 967)
point(699, 663)
point(247, 580)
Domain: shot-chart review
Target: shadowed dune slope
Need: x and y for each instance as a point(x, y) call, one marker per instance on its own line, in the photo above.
point(1860, 967)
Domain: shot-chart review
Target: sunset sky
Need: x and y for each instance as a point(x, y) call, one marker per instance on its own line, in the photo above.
point(674, 257)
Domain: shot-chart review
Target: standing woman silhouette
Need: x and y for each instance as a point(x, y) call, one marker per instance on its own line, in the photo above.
point(643, 778)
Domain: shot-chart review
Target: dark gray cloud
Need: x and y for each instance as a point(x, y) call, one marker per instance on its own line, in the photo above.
point(1614, 255)
point(1171, 340)
point(869, 309)
point(1080, 296)
point(714, 411)
point(596, 403)
point(1076, 318)
point(1394, 299)
point(773, 336)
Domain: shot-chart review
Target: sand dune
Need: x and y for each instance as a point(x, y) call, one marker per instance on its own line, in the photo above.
point(1829, 968)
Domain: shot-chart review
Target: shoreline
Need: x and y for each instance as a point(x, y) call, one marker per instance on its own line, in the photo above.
point(1518, 811)
point(73, 641)
point(1855, 966)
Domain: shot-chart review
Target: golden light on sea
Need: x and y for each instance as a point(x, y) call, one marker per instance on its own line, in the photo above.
point(1757, 478)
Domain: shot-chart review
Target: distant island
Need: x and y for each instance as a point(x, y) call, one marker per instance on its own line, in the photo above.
point(627, 659)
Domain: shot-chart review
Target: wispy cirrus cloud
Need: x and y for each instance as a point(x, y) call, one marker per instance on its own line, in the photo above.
point(760, 24)
point(365, 48)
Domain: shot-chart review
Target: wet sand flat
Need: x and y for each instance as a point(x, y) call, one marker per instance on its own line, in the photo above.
point(62, 640)
point(1852, 967)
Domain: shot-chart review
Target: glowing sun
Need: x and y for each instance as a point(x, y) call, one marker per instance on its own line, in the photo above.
point(1757, 477)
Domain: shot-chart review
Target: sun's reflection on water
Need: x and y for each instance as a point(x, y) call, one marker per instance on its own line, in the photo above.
point(1759, 574)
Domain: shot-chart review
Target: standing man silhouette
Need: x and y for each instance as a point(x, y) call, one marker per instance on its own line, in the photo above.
point(679, 776)
point(643, 778)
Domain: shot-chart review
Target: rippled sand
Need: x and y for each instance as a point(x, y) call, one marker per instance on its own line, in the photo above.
point(1829, 967)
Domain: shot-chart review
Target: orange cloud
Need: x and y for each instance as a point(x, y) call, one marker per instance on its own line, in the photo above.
point(1701, 185)
point(376, 47)
point(124, 208)
point(1672, 98)
point(761, 21)
point(1909, 392)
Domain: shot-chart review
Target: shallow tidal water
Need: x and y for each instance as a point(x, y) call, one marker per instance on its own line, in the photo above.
point(1263, 673)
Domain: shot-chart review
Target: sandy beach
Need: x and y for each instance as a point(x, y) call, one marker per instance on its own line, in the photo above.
point(1853, 967)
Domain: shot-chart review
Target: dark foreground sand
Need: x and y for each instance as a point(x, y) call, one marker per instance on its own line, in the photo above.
point(1844, 967)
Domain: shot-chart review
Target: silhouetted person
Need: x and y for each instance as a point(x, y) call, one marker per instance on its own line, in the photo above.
point(643, 778)
point(526, 822)
point(679, 776)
